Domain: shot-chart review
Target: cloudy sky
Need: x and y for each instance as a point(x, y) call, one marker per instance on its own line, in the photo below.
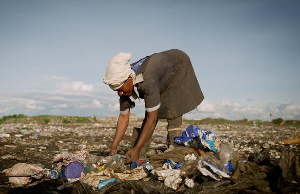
point(246, 54)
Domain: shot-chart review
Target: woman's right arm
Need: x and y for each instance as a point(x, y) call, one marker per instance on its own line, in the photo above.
point(122, 124)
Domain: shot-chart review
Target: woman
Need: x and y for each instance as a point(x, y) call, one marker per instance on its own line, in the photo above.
point(167, 83)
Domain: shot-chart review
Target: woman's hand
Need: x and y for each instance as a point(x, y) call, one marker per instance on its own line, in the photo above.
point(134, 155)
point(113, 151)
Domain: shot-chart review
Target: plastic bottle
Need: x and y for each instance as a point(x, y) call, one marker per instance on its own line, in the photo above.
point(226, 154)
point(117, 163)
point(51, 174)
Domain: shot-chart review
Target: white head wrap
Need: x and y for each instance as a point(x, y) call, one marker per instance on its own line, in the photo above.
point(118, 70)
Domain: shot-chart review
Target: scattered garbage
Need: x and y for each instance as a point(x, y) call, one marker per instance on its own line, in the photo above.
point(204, 161)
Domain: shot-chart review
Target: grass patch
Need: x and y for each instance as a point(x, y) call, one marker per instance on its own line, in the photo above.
point(83, 120)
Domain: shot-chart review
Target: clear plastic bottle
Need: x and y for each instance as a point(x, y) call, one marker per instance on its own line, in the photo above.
point(116, 162)
point(226, 155)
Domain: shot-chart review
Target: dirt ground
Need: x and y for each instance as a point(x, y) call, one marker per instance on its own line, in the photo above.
point(38, 144)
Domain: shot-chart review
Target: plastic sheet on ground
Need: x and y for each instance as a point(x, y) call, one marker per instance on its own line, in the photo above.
point(131, 186)
point(289, 163)
point(249, 175)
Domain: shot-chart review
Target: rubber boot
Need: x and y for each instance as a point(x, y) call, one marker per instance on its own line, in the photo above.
point(174, 130)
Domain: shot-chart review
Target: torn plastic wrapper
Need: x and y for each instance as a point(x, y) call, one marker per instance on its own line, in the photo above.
point(93, 179)
point(17, 181)
point(170, 164)
point(22, 173)
point(171, 177)
point(135, 174)
point(23, 169)
point(198, 138)
point(143, 163)
point(64, 158)
point(210, 170)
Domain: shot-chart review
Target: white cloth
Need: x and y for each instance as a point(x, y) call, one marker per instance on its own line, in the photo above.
point(118, 70)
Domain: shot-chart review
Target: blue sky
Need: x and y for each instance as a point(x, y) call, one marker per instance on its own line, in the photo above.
point(53, 54)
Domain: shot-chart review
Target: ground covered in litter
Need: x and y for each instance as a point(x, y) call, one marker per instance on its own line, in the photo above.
point(266, 159)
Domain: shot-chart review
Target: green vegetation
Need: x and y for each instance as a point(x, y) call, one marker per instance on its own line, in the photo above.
point(83, 119)
point(280, 121)
point(66, 121)
point(57, 120)
point(46, 119)
point(13, 118)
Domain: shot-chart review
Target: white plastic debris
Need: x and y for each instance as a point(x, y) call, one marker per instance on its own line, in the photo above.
point(190, 157)
point(4, 135)
point(189, 182)
point(171, 177)
point(208, 169)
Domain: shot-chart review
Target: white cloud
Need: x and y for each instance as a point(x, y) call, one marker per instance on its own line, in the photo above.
point(25, 102)
point(60, 106)
point(234, 111)
point(97, 104)
point(34, 107)
point(114, 107)
point(32, 104)
point(78, 85)
point(206, 107)
point(291, 111)
point(4, 110)
point(224, 103)
point(61, 96)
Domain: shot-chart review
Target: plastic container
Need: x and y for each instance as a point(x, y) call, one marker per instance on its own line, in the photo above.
point(74, 170)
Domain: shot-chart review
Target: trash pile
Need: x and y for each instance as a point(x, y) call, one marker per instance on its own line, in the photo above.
point(198, 163)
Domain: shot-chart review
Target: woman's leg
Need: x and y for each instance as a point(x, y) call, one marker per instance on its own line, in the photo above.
point(174, 129)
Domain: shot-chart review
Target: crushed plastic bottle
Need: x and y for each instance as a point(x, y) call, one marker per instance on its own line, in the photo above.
point(116, 163)
point(226, 154)
point(51, 174)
